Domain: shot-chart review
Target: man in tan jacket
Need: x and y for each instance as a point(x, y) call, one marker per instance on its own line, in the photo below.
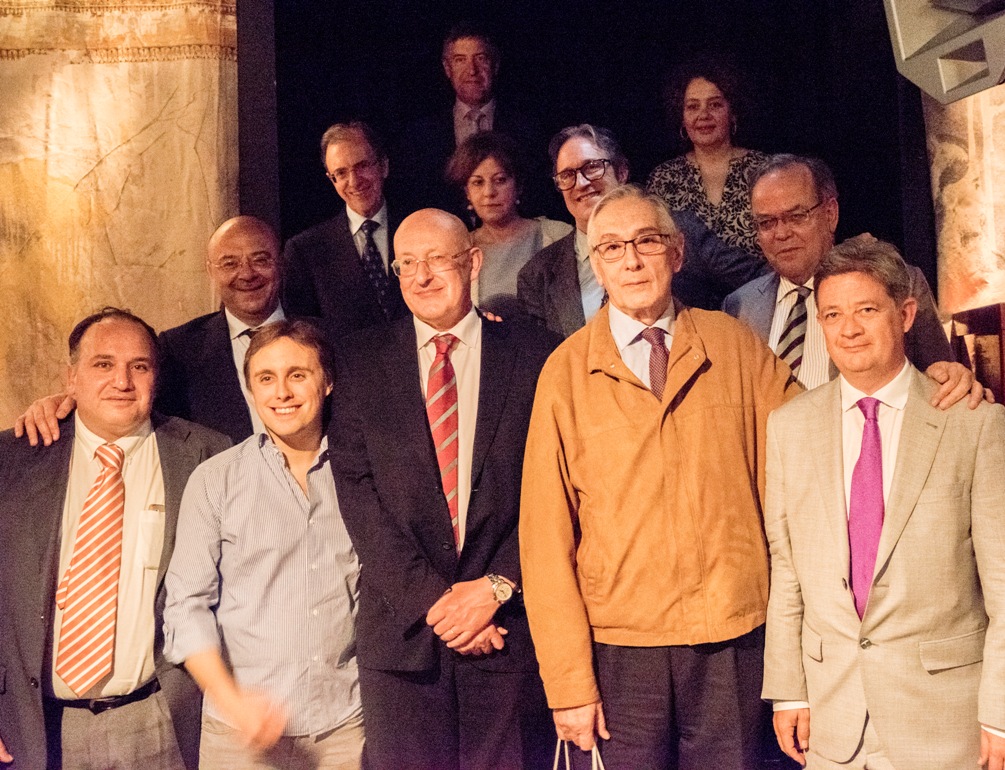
point(644, 560)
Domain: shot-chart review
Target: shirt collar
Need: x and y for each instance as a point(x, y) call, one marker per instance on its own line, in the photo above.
point(467, 330)
point(461, 110)
point(266, 444)
point(356, 220)
point(237, 327)
point(582, 246)
point(785, 287)
point(893, 394)
point(90, 441)
point(627, 330)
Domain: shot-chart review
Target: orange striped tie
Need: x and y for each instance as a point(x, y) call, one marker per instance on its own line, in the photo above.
point(89, 591)
point(441, 409)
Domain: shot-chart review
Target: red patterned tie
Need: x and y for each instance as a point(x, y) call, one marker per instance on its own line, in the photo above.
point(441, 409)
point(658, 360)
point(89, 591)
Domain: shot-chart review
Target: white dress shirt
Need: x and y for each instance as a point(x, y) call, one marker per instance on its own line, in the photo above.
point(466, 359)
point(589, 288)
point(815, 368)
point(634, 350)
point(465, 126)
point(142, 542)
point(380, 235)
point(239, 343)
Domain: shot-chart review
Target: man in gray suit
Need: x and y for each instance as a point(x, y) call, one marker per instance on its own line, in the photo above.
point(795, 205)
point(885, 647)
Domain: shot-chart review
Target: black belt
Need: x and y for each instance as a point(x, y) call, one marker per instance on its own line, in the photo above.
point(97, 705)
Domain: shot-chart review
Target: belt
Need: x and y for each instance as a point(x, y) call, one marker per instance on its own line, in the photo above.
point(97, 705)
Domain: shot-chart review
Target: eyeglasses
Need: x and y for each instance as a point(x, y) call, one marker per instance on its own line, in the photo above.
point(647, 245)
point(591, 170)
point(342, 174)
point(409, 266)
point(260, 263)
point(796, 218)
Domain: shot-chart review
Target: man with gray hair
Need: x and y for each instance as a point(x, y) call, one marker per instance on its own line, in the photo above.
point(644, 563)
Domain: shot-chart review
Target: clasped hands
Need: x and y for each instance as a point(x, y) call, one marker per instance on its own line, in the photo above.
point(462, 618)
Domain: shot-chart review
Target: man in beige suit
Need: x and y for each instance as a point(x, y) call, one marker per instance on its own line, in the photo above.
point(886, 523)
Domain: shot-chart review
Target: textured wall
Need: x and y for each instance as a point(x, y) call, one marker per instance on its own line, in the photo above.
point(966, 149)
point(118, 158)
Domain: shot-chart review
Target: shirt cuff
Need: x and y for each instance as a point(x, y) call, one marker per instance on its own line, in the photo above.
point(993, 730)
point(786, 705)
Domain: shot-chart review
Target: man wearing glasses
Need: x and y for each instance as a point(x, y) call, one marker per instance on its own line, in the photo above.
point(558, 286)
point(339, 270)
point(795, 206)
point(429, 423)
point(644, 564)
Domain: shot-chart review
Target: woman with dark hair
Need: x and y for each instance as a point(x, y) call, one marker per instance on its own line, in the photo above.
point(488, 169)
point(710, 179)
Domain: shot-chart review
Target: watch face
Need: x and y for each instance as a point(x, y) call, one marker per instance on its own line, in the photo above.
point(503, 592)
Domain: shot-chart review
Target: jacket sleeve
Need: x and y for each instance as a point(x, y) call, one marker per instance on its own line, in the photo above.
point(299, 296)
point(926, 342)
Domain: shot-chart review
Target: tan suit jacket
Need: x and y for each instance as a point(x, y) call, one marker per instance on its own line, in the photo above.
point(927, 662)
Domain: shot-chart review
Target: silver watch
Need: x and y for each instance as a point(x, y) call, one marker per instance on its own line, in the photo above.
point(501, 590)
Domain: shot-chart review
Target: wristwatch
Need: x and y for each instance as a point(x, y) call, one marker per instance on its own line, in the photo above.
point(501, 590)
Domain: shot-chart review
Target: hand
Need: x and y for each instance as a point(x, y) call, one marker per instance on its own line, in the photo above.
point(992, 751)
point(42, 418)
point(5, 756)
point(792, 731)
point(486, 641)
point(582, 725)
point(259, 720)
point(463, 612)
point(490, 316)
point(957, 381)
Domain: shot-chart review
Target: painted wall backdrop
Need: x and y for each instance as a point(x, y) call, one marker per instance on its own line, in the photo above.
point(118, 158)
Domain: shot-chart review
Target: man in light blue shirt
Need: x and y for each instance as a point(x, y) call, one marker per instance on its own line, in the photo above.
point(262, 589)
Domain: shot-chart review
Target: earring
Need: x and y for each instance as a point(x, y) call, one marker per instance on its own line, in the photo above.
point(682, 132)
point(733, 127)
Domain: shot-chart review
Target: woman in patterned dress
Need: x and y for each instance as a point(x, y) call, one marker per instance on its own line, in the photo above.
point(710, 179)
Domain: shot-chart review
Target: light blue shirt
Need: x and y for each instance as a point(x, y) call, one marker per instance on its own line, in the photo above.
point(589, 288)
point(268, 576)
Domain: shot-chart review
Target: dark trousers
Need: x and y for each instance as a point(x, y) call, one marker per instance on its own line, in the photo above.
point(682, 708)
point(457, 717)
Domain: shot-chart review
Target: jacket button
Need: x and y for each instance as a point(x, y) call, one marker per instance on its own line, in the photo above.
point(33, 682)
point(865, 644)
point(447, 546)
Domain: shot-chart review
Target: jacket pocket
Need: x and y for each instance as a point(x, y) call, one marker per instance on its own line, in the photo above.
point(813, 644)
point(940, 654)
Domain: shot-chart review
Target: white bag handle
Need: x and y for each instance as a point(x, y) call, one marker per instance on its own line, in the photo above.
point(596, 761)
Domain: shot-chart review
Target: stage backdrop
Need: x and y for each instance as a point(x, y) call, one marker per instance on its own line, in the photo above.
point(118, 158)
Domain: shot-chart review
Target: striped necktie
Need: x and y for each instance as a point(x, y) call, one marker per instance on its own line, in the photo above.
point(441, 409)
point(373, 266)
point(89, 591)
point(790, 344)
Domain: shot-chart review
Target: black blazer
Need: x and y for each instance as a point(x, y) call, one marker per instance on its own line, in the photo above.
point(392, 502)
point(33, 483)
point(197, 379)
point(324, 278)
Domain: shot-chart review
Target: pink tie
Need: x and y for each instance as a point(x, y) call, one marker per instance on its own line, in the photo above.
point(865, 509)
point(658, 358)
point(89, 591)
point(441, 409)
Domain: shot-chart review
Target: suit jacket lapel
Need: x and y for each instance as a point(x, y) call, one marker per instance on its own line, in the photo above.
point(920, 436)
point(829, 469)
point(764, 311)
point(399, 363)
point(563, 290)
point(176, 466)
point(219, 374)
point(496, 365)
point(48, 500)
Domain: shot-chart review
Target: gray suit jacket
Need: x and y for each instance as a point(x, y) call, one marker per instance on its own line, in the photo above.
point(32, 491)
point(925, 343)
point(926, 662)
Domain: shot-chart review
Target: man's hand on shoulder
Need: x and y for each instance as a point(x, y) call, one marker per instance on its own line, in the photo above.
point(463, 612)
point(41, 419)
point(792, 731)
point(5, 757)
point(957, 382)
point(992, 751)
point(581, 725)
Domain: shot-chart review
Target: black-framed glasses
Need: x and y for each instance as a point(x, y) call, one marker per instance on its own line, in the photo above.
point(796, 218)
point(437, 263)
point(647, 245)
point(591, 170)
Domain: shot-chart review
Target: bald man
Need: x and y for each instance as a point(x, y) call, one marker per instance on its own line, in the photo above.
point(200, 378)
point(448, 675)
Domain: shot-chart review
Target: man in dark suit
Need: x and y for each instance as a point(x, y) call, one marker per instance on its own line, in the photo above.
point(471, 64)
point(795, 205)
point(339, 270)
point(201, 361)
point(110, 710)
point(428, 430)
point(558, 286)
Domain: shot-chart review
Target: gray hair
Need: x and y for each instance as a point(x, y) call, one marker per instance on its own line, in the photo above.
point(601, 137)
point(634, 192)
